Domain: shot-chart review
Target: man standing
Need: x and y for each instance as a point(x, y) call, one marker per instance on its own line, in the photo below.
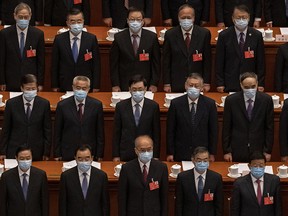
point(257, 193)
point(200, 186)
point(74, 53)
point(143, 183)
point(79, 120)
point(27, 122)
point(186, 50)
point(276, 13)
point(134, 51)
point(133, 117)
point(83, 189)
point(24, 189)
point(191, 122)
point(281, 69)
point(248, 122)
point(283, 133)
point(239, 49)
point(22, 51)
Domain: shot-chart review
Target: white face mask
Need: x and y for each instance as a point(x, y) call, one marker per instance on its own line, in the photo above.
point(241, 24)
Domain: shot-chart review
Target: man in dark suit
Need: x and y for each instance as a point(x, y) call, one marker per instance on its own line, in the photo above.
point(283, 132)
point(24, 189)
point(55, 11)
point(7, 9)
point(169, 9)
point(257, 193)
point(134, 51)
point(74, 53)
point(22, 51)
point(281, 71)
point(186, 50)
point(200, 186)
point(115, 12)
point(275, 13)
point(239, 49)
point(191, 122)
point(27, 122)
point(133, 117)
point(79, 120)
point(224, 10)
point(248, 122)
point(83, 189)
point(143, 183)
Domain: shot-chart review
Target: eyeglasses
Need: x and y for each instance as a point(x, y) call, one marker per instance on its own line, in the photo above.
point(79, 21)
point(145, 150)
point(133, 20)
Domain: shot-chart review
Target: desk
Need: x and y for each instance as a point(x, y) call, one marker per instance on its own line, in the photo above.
point(53, 170)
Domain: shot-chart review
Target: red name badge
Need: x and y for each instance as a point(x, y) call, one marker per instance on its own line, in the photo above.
point(31, 53)
point(153, 185)
point(77, 1)
point(268, 200)
point(144, 57)
point(197, 57)
point(208, 197)
point(88, 56)
point(249, 54)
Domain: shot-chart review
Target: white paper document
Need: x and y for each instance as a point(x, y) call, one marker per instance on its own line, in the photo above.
point(244, 167)
point(14, 94)
point(186, 165)
point(284, 31)
point(173, 95)
point(71, 164)
point(10, 163)
point(152, 29)
point(126, 95)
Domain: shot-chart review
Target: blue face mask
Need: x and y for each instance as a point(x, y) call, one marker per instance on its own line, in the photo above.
point(135, 26)
point(24, 165)
point(29, 95)
point(22, 23)
point(186, 24)
point(257, 172)
point(193, 93)
point(76, 28)
point(201, 166)
point(241, 24)
point(137, 96)
point(145, 157)
point(250, 93)
point(80, 95)
point(84, 166)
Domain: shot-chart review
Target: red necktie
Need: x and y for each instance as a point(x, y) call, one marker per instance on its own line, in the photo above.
point(80, 111)
point(259, 194)
point(135, 44)
point(144, 173)
point(187, 40)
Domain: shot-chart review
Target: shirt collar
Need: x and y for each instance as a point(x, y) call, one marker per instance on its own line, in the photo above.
point(254, 179)
point(25, 101)
point(134, 103)
point(238, 32)
point(80, 173)
point(196, 174)
point(184, 32)
point(77, 102)
point(190, 101)
point(20, 30)
point(246, 98)
point(78, 36)
point(21, 172)
point(142, 164)
point(139, 33)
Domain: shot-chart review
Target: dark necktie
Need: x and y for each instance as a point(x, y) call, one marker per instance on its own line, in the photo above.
point(200, 187)
point(80, 111)
point(193, 113)
point(145, 173)
point(249, 108)
point(84, 185)
point(25, 185)
point(126, 4)
point(135, 44)
point(75, 49)
point(241, 41)
point(137, 113)
point(22, 44)
point(259, 194)
point(187, 40)
point(28, 110)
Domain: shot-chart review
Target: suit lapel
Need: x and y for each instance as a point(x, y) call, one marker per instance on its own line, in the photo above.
point(129, 43)
point(250, 188)
point(73, 108)
point(266, 187)
point(193, 185)
point(35, 108)
point(77, 183)
point(145, 110)
point(235, 42)
point(21, 109)
point(18, 183)
point(14, 37)
point(138, 171)
point(242, 104)
point(194, 39)
point(129, 108)
point(248, 40)
point(82, 49)
point(67, 44)
point(180, 41)
point(257, 104)
point(185, 110)
point(87, 109)
point(201, 109)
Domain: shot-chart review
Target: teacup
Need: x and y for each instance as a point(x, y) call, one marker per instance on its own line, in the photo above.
point(1, 98)
point(1, 168)
point(233, 170)
point(276, 100)
point(168, 100)
point(111, 33)
point(115, 100)
point(117, 169)
point(175, 169)
point(268, 34)
point(282, 170)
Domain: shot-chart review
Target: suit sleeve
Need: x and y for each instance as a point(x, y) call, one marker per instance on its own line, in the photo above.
point(156, 132)
point(117, 130)
point(105, 197)
point(41, 59)
point(164, 191)
point(227, 125)
point(269, 127)
point(219, 13)
point(236, 199)
point(96, 64)
point(171, 128)
point(106, 9)
point(207, 58)
point(283, 130)
point(166, 59)
point(59, 124)
point(219, 197)
point(47, 130)
point(179, 196)
point(62, 196)
point(44, 195)
point(165, 10)
point(48, 10)
point(100, 133)
point(122, 192)
point(6, 130)
point(278, 200)
point(279, 68)
point(86, 11)
point(206, 11)
point(55, 64)
point(155, 70)
point(213, 129)
point(260, 64)
point(2, 58)
point(220, 61)
point(267, 10)
point(114, 63)
point(3, 196)
point(148, 8)
point(258, 8)
point(38, 10)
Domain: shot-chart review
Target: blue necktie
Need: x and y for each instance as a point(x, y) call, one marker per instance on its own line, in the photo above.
point(84, 185)
point(137, 114)
point(193, 113)
point(22, 44)
point(25, 185)
point(200, 187)
point(75, 49)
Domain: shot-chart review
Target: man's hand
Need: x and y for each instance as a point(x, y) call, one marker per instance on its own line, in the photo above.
point(100, 159)
point(116, 89)
point(221, 25)
point(167, 88)
point(108, 21)
point(40, 88)
point(269, 24)
point(256, 24)
point(147, 21)
point(55, 89)
point(153, 88)
point(58, 159)
point(95, 90)
point(2, 157)
point(267, 156)
point(211, 158)
point(168, 22)
point(220, 89)
point(206, 87)
point(2, 87)
point(203, 23)
point(284, 159)
point(45, 158)
point(116, 159)
point(228, 157)
point(170, 158)
point(261, 89)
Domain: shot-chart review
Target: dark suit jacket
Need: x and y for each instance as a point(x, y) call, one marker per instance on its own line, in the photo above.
point(224, 10)
point(135, 197)
point(169, 9)
point(34, 132)
point(71, 199)
point(70, 133)
point(187, 201)
point(181, 138)
point(230, 62)
point(55, 11)
point(12, 67)
point(275, 11)
point(126, 131)
point(116, 10)
point(283, 130)
point(12, 200)
point(124, 64)
point(64, 69)
point(7, 10)
point(244, 199)
point(241, 136)
point(281, 71)
point(178, 62)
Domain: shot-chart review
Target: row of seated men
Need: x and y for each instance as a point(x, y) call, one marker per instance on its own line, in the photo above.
point(142, 187)
point(114, 12)
point(186, 49)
